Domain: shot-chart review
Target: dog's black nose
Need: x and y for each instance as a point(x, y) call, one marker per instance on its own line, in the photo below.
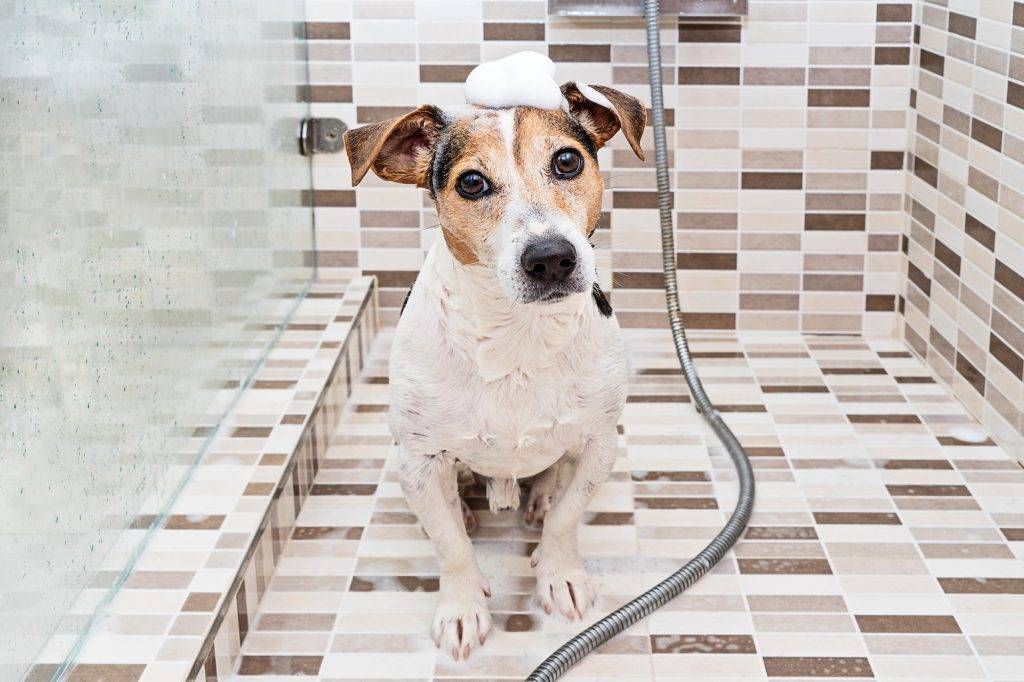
point(549, 260)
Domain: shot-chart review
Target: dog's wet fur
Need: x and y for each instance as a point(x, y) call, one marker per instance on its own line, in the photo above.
point(507, 359)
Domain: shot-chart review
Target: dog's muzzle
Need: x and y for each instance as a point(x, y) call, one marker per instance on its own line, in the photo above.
point(551, 268)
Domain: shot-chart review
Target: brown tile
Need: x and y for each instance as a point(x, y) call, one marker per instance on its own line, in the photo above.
point(634, 199)
point(842, 222)
point(817, 666)
point(702, 644)
point(1018, 14)
point(701, 260)
point(928, 490)
point(401, 583)
point(988, 135)
point(785, 566)
point(926, 171)
point(762, 180)
point(327, 30)
point(343, 489)
point(817, 97)
point(373, 114)
point(252, 431)
point(580, 53)
point(709, 75)
point(968, 371)
point(857, 518)
point(709, 320)
point(893, 12)
point(794, 389)
point(1006, 355)
point(393, 278)
point(907, 624)
point(1015, 94)
point(982, 585)
point(832, 282)
point(331, 198)
point(963, 25)
point(919, 279)
point(892, 55)
point(902, 464)
point(280, 665)
point(513, 31)
point(638, 280)
point(880, 303)
point(883, 418)
point(709, 33)
point(444, 73)
point(886, 160)
point(330, 93)
point(933, 62)
point(676, 476)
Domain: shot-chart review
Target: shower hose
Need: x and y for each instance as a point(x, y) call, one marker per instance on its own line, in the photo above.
point(570, 653)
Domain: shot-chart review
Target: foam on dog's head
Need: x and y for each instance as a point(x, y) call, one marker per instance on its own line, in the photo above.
point(523, 79)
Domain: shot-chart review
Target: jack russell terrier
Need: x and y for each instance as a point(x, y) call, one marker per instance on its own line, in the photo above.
point(507, 359)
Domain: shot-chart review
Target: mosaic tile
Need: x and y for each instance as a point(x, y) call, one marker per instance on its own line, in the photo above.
point(835, 578)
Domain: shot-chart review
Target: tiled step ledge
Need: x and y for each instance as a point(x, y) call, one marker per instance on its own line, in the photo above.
point(183, 612)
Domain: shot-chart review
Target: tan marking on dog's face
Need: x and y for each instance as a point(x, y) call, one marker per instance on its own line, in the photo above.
point(513, 150)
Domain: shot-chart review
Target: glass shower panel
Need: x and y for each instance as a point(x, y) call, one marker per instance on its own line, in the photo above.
point(155, 237)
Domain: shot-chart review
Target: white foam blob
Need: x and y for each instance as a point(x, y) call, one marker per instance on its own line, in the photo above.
point(523, 79)
point(969, 434)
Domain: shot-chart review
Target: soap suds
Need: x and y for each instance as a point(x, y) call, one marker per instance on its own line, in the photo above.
point(523, 79)
point(969, 434)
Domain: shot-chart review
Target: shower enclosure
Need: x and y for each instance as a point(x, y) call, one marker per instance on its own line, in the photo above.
point(157, 234)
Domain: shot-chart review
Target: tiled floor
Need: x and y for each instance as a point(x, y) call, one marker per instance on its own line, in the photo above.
point(882, 545)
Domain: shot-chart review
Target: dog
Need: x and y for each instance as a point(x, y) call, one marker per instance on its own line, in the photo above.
point(507, 358)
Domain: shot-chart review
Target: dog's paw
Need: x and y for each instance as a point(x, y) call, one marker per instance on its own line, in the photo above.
point(462, 620)
point(537, 507)
point(564, 587)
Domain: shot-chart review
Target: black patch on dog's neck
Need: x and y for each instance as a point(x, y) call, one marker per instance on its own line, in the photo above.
point(603, 306)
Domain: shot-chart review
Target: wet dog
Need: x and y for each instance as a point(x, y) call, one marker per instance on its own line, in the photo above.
point(508, 359)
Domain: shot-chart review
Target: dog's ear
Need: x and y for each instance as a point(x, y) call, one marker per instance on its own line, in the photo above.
point(603, 111)
point(397, 149)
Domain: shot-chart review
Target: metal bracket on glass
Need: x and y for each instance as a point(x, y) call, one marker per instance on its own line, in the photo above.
point(321, 136)
point(625, 8)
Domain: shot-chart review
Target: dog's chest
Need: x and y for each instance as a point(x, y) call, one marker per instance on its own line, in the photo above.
point(517, 433)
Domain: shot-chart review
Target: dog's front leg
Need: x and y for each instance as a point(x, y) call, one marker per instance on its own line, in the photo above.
point(462, 619)
point(562, 582)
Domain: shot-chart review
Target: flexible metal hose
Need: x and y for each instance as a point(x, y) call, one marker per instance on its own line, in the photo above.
point(570, 653)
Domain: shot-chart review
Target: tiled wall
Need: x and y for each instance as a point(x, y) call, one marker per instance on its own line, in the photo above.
point(963, 306)
point(789, 131)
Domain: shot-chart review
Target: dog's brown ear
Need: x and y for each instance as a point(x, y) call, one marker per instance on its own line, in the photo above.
point(397, 149)
point(601, 121)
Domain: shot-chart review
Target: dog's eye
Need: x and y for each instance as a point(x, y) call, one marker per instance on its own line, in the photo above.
point(472, 185)
point(566, 163)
